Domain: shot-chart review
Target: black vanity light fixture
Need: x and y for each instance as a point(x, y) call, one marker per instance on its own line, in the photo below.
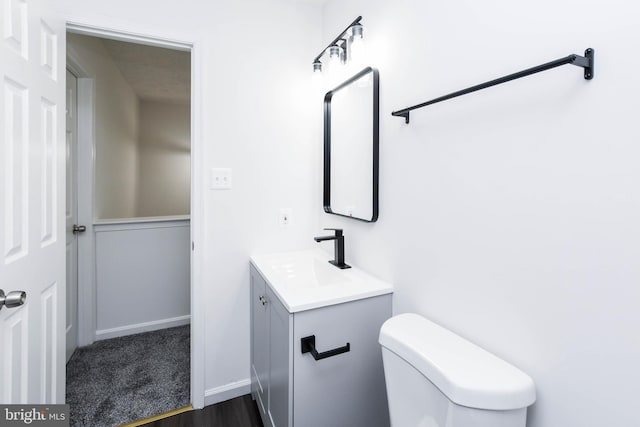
point(343, 47)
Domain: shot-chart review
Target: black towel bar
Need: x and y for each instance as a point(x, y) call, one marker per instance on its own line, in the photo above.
point(586, 62)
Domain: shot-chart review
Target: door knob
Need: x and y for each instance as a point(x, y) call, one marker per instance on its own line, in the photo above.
point(12, 299)
point(79, 228)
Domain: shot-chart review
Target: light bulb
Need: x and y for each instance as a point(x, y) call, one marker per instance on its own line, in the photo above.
point(335, 57)
point(357, 46)
point(335, 53)
point(317, 72)
point(357, 31)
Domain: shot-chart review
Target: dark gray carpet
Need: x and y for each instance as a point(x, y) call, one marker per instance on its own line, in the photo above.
point(116, 381)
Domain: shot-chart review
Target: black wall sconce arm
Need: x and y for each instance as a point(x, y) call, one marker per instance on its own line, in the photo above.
point(586, 62)
point(308, 345)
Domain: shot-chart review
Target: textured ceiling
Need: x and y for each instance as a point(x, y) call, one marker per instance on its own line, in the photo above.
point(154, 73)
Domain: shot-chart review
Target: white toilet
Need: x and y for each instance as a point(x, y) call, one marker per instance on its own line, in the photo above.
point(436, 378)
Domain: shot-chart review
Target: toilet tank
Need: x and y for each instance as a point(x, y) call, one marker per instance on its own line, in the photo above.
point(436, 378)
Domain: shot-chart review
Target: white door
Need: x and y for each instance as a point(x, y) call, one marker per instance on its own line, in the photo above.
point(32, 197)
point(71, 214)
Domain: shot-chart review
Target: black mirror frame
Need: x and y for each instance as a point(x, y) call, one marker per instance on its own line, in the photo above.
point(376, 143)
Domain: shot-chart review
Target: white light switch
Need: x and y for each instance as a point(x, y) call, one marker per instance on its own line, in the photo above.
point(220, 179)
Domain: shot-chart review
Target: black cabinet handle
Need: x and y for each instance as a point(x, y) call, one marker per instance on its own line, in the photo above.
point(309, 346)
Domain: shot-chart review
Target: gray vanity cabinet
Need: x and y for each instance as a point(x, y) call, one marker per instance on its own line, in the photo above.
point(259, 342)
point(291, 388)
point(270, 353)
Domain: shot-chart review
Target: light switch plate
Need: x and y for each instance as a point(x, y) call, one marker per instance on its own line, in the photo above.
point(220, 179)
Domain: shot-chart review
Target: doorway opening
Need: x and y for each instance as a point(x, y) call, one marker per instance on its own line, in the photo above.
point(133, 187)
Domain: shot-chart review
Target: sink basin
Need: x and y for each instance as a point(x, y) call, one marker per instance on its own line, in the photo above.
point(309, 272)
point(304, 280)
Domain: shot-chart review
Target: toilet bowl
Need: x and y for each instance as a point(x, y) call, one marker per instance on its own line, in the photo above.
point(436, 378)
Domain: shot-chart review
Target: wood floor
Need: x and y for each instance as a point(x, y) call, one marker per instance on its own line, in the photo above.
point(239, 412)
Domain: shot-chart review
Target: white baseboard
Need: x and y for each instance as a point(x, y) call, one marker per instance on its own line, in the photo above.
point(154, 325)
point(226, 392)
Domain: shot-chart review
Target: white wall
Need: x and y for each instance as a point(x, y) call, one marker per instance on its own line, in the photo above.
point(163, 172)
point(511, 215)
point(116, 132)
point(260, 120)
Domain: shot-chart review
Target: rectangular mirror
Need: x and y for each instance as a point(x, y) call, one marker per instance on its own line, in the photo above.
point(351, 143)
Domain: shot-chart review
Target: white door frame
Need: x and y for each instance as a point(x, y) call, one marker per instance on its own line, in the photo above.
point(71, 196)
point(85, 159)
point(86, 274)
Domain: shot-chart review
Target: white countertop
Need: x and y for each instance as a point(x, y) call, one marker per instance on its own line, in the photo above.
point(304, 280)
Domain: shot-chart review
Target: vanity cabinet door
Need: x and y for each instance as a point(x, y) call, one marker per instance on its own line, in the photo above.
point(347, 389)
point(259, 342)
point(280, 356)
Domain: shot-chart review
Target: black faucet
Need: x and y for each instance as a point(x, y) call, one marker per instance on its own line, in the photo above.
point(338, 247)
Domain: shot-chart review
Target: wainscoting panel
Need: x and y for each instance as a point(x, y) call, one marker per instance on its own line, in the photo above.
point(142, 275)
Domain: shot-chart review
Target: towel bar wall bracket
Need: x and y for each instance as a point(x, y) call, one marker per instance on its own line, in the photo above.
point(586, 62)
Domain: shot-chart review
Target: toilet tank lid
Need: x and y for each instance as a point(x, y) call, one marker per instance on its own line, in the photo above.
point(467, 374)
